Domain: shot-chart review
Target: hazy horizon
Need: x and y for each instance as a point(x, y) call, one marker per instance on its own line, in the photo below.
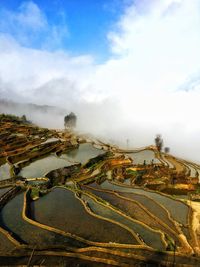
point(128, 69)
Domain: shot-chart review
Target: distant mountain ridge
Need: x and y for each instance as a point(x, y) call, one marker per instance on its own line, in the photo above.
point(8, 104)
point(43, 115)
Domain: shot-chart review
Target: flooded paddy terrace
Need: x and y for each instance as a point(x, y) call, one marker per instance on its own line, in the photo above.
point(177, 209)
point(98, 201)
point(75, 219)
point(12, 220)
point(5, 171)
point(147, 156)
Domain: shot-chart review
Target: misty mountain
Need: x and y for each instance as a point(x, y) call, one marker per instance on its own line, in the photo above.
point(43, 115)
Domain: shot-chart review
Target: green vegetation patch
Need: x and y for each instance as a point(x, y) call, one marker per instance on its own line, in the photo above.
point(35, 193)
point(197, 191)
point(94, 161)
point(131, 172)
point(13, 118)
point(171, 244)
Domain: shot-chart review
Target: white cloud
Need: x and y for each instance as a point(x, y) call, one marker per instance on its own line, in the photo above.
point(26, 70)
point(161, 44)
point(29, 16)
point(135, 94)
point(30, 27)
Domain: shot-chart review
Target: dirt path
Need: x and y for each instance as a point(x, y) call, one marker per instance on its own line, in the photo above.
point(179, 167)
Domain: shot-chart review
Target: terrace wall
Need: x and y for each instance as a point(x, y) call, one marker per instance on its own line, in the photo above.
point(8, 195)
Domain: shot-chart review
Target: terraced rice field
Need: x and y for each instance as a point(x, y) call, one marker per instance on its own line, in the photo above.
point(177, 209)
point(3, 190)
point(98, 210)
point(149, 237)
point(136, 210)
point(11, 220)
point(68, 218)
point(82, 154)
point(5, 171)
point(41, 167)
point(145, 155)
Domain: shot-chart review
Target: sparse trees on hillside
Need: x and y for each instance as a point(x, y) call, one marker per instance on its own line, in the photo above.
point(159, 142)
point(70, 121)
point(14, 118)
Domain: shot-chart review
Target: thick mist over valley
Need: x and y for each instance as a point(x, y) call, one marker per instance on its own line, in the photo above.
point(44, 116)
point(105, 121)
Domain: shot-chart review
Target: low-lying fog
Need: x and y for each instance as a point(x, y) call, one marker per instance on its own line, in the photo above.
point(115, 125)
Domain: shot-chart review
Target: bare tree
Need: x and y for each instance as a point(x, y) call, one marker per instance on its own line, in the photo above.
point(159, 142)
point(70, 121)
point(167, 150)
point(24, 118)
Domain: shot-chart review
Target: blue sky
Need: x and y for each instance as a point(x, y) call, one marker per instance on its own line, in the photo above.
point(82, 25)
